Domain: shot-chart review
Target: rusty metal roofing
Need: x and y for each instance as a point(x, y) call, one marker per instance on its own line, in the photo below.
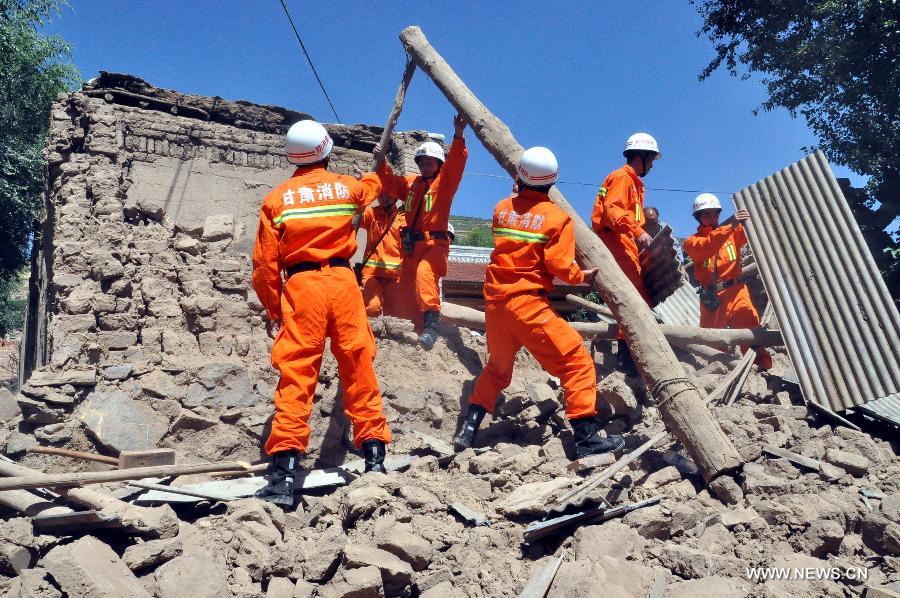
point(840, 326)
point(660, 268)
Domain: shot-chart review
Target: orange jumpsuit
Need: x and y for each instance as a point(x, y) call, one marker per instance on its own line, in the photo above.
point(618, 217)
point(427, 210)
point(381, 272)
point(735, 307)
point(534, 240)
point(306, 223)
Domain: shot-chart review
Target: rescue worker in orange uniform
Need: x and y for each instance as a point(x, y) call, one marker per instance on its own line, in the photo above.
point(534, 240)
point(716, 252)
point(427, 199)
point(381, 268)
point(618, 218)
point(303, 278)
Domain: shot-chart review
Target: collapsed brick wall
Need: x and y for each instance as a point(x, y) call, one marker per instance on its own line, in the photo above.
point(141, 274)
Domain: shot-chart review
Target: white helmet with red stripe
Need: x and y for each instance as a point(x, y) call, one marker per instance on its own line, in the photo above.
point(430, 149)
point(538, 167)
point(644, 142)
point(307, 142)
point(705, 201)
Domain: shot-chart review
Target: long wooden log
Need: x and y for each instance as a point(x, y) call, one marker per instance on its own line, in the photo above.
point(590, 305)
point(384, 142)
point(29, 504)
point(83, 478)
point(157, 522)
point(472, 318)
point(680, 404)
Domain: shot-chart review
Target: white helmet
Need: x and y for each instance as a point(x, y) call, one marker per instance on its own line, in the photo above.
point(451, 231)
point(430, 149)
point(642, 141)
point(706, 201)
point(307, 142)
point(538, 167)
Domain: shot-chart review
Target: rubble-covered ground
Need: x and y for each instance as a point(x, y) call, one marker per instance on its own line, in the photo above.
point(387, 535)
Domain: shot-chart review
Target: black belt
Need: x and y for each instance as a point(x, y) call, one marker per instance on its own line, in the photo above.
point(335, 262)
point(721, 286)
point(433, 234)
point(538, 292)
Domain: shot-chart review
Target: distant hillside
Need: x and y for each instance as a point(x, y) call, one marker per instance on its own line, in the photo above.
point(472, 231)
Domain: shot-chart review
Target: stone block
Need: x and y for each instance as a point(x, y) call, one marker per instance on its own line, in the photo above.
point(88, 568)
point(855, 465)
point(395, 573)
point(218, 227)
point(612, 538)
point(152, 553)
point(9, 408)
point(120, 423)
point(401, 542)
point(196, 574)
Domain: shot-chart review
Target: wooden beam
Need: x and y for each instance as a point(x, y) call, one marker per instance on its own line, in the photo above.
point(680, 404)
point(472, 318)
point(160, 522)
point(384, 142)
point(63, 480)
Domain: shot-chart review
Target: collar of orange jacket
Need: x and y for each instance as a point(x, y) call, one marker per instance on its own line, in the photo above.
point(533, 195)
point(705, 230)
point(308, 168)
point(634, 176)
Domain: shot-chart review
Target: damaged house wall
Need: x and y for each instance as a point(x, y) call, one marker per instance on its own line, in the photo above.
point(142, 268)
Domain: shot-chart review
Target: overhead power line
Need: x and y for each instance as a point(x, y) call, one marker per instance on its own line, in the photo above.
point(308, 59)
point(500, 176)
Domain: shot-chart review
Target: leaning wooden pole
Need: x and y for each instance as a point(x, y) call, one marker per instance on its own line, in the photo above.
point(384, 142)
point(680, 403)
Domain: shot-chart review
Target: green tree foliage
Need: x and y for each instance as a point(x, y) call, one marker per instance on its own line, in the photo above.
point(478, 237)
point(33, 70)
point(837, 63)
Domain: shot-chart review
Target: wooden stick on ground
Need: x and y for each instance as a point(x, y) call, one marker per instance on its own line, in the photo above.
point(52, 450)
point(157, 522)
point(62, 480)
point(590, 305)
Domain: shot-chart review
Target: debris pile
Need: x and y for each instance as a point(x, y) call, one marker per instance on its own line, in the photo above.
point(445, 524)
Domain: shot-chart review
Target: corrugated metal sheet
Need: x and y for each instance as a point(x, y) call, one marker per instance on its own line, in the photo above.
point(839, 323)
point(464, 254)
point(660, 268)
point(682, 308)
point(887, 408)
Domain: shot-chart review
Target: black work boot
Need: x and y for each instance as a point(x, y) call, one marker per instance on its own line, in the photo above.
point(283, 472)
point(589, 442)
point(373, 452)
point(430, 334)
point(466, 435)
point(624, 361)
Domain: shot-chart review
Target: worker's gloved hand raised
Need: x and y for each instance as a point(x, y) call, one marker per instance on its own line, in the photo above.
point(272, 328)
point(459, 125)
point(644, 240)
point(377, 149)
point(740, 217)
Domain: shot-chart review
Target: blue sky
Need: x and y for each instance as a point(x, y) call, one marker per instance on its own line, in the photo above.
point(577, 77)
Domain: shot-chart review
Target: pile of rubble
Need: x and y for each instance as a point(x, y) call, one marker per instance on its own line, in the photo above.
point(453, 524)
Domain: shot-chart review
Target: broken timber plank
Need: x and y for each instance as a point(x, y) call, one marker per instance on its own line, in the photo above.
point(155, 523)
point(679, 335)
point(687, 417)
point(541, 580)
point(793, 457)
point(597, 479)
point(539, 530)
point(436, 444)
point(63, 480)
point(395, 112)
point(470, 515)
point(225, 490)
point(127, 459)
point(77, 523)
point(29, 504)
